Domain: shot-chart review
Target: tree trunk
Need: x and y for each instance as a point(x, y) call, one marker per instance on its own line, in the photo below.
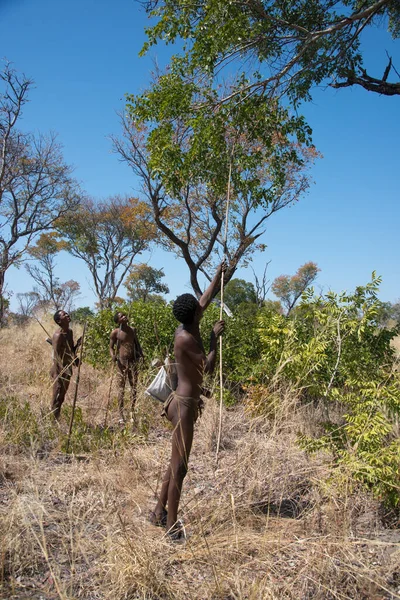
point(2, 303)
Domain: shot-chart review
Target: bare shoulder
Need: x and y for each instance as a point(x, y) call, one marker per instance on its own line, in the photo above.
point(55, 338)
point(184, 340)
point(114, 334)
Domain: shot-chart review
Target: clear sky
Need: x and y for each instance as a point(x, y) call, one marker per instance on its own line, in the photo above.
point(83, 56)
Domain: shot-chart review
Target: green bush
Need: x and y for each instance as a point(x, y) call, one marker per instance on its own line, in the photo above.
point(333, 351)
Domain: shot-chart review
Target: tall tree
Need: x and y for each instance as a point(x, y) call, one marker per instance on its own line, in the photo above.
point(36, 186)
point(185, 160)
point(277, 47)
point(108, 236)
point(290, 288)
point(50, 290)
point(144, 283)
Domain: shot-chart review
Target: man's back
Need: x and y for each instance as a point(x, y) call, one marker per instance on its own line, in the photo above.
point(190, 359)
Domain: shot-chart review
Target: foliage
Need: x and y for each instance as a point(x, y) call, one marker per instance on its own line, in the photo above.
point(289, 288)
point(184, 158)
point(282, 47)
point(333, 351)
point(238, 291)
point(36, 186)
point(108, 236)
point(81, 314)
point(144, 281)
point(241, 343)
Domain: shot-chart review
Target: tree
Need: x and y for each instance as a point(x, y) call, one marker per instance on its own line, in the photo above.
point(51, 292)
point(185, 160)
point(27, 304)
point(108, 236)
point(143, 282)
point(262, 286)
point(239, 291)
point(36, 187)
point(277, 47)
point(389, 314)
point(290, 288)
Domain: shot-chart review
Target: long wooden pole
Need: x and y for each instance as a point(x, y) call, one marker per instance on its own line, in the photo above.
point(228, 194)
point(76, 388)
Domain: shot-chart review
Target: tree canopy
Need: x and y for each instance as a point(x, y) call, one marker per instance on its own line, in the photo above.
point(144, 283)
point(279, 47)
point(108, 236)
point(289, 288)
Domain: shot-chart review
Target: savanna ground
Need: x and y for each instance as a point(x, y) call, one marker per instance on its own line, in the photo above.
point(263, 523)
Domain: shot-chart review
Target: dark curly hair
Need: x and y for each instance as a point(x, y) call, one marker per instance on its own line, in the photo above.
point(57, 316)
point(116, 316)
point(184, 308)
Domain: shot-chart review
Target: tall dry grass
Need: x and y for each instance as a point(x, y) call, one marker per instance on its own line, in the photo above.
point(262, 523)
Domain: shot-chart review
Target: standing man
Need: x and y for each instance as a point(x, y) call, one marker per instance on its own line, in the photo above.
point(182, 406)
point(64, 357)
point(126, 351)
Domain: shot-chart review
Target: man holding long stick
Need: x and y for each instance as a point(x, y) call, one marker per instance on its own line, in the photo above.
point(183, 405)
point(64, 357)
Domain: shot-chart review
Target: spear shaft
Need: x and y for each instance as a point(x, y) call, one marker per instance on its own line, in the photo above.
point(76, 388)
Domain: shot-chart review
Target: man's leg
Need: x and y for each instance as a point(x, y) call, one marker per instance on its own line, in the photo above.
point(133, 372)
point(60, 388)
point(121, 380)
point(182, 419)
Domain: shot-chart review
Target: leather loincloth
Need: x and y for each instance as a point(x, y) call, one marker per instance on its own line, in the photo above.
point(192, 404)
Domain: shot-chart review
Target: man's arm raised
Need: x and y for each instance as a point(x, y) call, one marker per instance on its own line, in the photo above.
point(212, 288)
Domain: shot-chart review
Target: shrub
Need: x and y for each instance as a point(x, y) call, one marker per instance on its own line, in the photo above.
point(333, 350)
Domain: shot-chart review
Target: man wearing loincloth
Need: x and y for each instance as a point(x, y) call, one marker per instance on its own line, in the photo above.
point(182, 407)
point(126, 351)
point(64, 358)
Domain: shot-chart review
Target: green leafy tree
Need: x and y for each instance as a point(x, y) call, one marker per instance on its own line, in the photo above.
point(108, 236)
point(239, 291)
point(290, 288)
point(144, 283)
point(185, 158)
point(277, 47)
point(36, 186)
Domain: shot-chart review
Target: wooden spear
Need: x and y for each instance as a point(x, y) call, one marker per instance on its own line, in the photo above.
point(76, 388)
point(228, 193)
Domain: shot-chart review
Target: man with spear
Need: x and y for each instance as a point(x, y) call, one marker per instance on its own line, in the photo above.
point(183, 406)
point(64, 358)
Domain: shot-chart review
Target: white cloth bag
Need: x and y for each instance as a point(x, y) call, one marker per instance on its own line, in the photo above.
point(164, 382)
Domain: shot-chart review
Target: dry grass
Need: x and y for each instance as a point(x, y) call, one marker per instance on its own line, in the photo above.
point(262, 524)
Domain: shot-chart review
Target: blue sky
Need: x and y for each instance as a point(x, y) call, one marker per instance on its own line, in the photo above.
point(83, 56)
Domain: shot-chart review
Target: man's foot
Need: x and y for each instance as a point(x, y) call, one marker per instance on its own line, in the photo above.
point(176, 533)
point(158, 520)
